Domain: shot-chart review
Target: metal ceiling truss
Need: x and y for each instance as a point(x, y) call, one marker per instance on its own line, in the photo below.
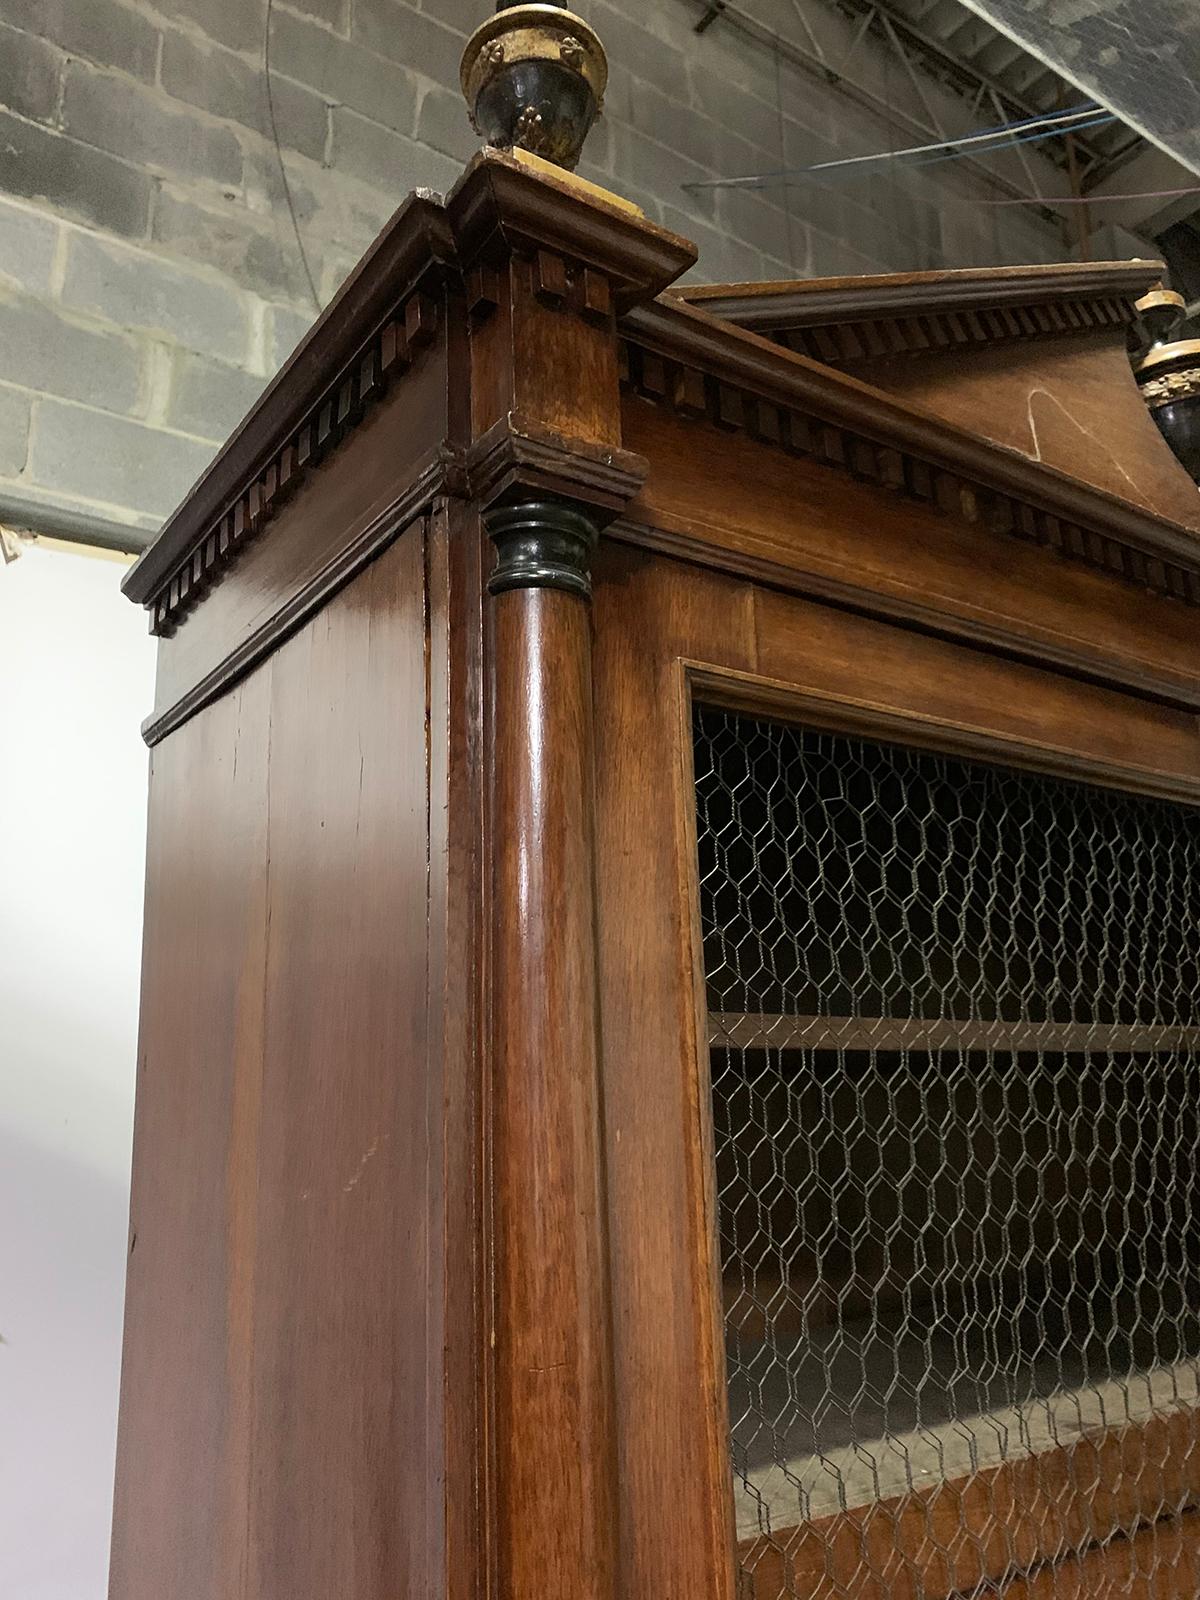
point(980, 64)
point(1095, 153)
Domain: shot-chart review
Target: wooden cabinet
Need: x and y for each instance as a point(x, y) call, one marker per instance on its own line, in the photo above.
point(669, 1042)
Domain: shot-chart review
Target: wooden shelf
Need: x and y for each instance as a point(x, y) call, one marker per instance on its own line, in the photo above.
point(781, 1031)
point(1010, 1526)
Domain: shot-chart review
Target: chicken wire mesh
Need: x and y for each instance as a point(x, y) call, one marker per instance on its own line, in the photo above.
point(954, 1032)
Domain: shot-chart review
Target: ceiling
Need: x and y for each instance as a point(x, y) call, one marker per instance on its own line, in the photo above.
point(1134, 57)
point(968, 55)
point(1134, 182)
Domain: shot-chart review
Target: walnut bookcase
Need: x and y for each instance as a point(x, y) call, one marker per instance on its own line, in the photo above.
point(424, 1289)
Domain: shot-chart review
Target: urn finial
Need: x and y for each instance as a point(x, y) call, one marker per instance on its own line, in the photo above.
point(534, 77)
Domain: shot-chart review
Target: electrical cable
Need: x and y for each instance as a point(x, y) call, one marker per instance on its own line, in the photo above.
point(287, 188)
point(1062, 121)
point(1027, 138)
point(1092, 199)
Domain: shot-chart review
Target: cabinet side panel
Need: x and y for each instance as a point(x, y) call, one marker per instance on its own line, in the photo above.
point(277, 1418)
point(182, 1461)
point(341, 1283)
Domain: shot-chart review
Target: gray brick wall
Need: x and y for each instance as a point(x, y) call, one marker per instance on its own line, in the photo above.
point(150, 281)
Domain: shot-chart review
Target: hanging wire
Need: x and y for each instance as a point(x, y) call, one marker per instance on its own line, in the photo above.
point(287, 188)
point(787, 199)
point(1094, 199)
point(1060, 121)
point(1007, 142)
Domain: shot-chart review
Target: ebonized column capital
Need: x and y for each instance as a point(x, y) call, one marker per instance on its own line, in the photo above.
point(542, 544)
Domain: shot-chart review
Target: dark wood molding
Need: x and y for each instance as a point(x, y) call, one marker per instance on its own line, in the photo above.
point(578, 253)
point(927, 618)
point(766, 307)
point(1095, 665)
point(697, 365)
point(511, 461)
point(517, 455)
point(506, 231)
point(742, 691)
point(386, 356)
point(546, 262)
point(350, 559)
point(500, 205)
point(844, 343)
point(1033, 359)
point(414, 245)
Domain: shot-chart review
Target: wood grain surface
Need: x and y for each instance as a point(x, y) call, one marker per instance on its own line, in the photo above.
point(555, 1466)
point(279, 1422)
point(727, 500)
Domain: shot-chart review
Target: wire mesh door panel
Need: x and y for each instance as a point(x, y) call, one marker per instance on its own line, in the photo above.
point(954, 1034)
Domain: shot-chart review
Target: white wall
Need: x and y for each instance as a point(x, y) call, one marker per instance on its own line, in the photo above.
point(76, 677)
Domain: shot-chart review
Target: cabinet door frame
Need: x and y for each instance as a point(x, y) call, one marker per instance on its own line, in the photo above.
point(667, 634)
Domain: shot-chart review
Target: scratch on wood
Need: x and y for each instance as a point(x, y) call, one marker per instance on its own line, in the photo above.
point(1087, 433)
point(362, 1166)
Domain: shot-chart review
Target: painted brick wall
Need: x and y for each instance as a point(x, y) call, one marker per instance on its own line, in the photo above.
point(150, 280)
